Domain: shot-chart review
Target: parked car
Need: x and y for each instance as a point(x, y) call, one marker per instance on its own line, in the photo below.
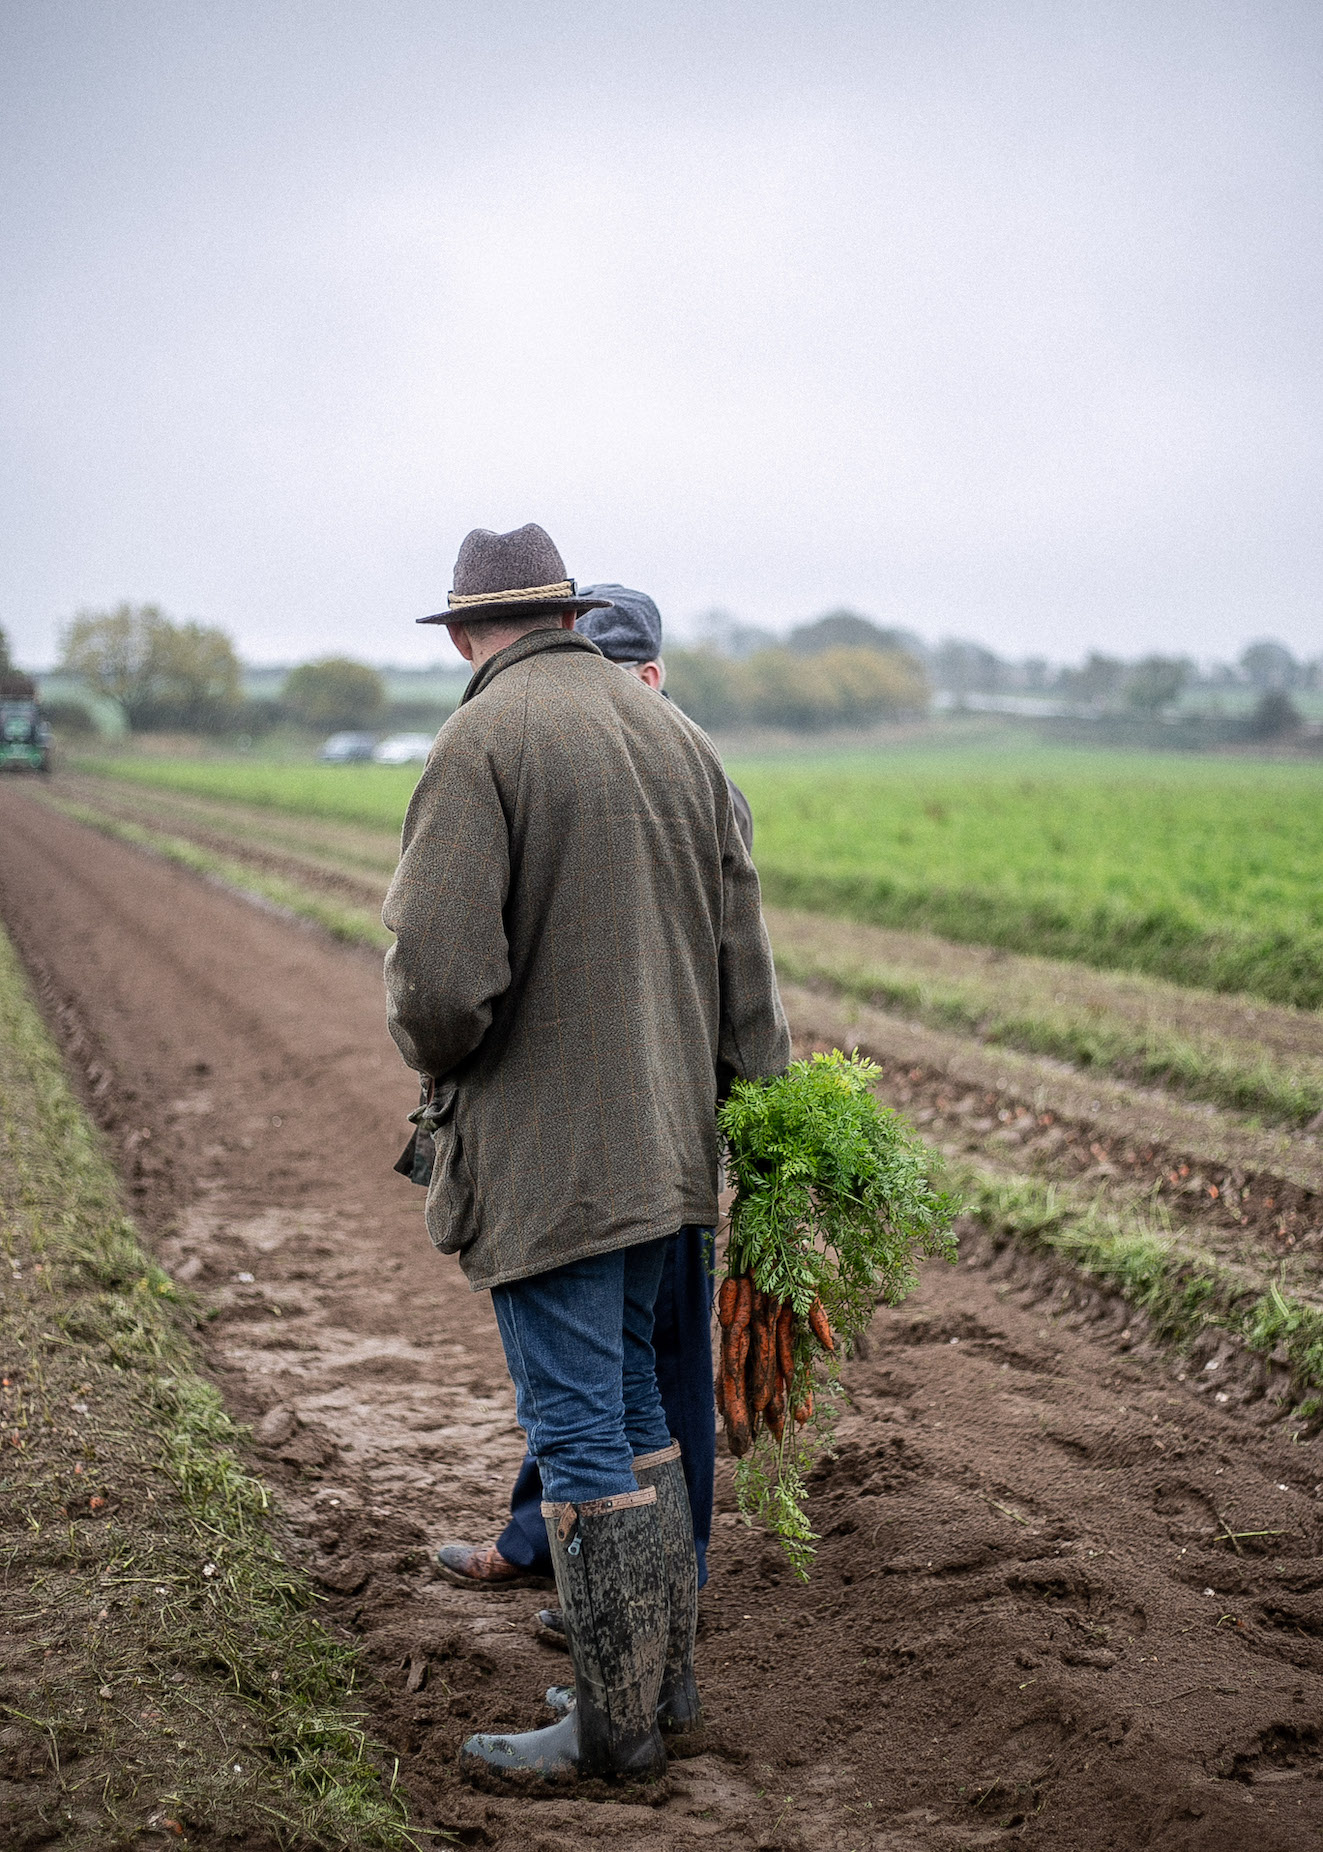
point(403, 749)
point(347, 748)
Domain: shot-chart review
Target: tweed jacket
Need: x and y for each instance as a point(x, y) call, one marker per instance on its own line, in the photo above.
point(580, 962)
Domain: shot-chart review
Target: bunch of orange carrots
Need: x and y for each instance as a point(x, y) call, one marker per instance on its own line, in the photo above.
point(761, 1339)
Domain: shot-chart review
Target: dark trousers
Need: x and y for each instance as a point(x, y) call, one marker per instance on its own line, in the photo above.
point(681, 1339)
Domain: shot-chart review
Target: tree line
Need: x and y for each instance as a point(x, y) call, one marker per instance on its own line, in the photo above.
point(1111, 684)
point(187, 678)
point(839, 670)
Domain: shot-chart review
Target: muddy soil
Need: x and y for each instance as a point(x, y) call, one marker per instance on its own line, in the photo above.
point(1063, 1601)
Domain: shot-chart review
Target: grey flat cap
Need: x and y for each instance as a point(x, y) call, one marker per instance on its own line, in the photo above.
point(626, 627)
point(517, 574)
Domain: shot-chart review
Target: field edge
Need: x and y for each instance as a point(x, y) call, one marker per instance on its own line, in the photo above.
point(122, 1469)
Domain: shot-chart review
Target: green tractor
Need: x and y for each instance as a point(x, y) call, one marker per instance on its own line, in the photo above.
point(25, 739)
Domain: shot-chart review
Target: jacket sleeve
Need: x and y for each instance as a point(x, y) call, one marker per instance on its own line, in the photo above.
point(743, 814)
point(450, 961)
point(753, 1039)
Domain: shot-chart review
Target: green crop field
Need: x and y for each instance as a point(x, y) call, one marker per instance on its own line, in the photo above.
point(376, 795)
point(1205, 871)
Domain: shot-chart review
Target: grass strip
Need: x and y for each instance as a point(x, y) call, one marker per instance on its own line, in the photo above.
point(1183, 1292)
point(1280, 965)
point(352, 925)
point(1086, 1038)
point(162, 1665)
point(375, 795)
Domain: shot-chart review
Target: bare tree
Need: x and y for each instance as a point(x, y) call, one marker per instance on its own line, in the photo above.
point(165, 675)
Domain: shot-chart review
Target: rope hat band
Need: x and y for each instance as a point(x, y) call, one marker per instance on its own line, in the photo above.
point(518, 594)
point(515, 575)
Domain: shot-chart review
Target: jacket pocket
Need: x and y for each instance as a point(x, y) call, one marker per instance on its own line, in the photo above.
point(451, 1204)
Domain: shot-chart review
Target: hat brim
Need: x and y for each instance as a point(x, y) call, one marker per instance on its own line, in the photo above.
point(488, 613)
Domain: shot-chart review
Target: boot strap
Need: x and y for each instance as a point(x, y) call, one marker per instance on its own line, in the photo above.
point(644, 1460)
point(568, 1515)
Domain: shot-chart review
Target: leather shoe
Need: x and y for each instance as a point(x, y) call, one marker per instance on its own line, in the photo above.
point(481, 1565)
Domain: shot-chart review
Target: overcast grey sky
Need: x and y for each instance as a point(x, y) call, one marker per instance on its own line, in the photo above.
point(994, 320)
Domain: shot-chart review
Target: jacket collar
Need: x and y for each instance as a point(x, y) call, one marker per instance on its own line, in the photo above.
point(533, 643)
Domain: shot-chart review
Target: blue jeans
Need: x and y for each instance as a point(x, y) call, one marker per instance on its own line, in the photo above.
point(578, 1343)
point(683, 1348)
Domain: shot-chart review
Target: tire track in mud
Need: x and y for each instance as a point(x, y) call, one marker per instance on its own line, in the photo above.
point(1061, 1601)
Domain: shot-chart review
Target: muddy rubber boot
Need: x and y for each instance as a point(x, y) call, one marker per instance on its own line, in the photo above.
point(679, 1704)
point(678, 1707)
point(610, 1571)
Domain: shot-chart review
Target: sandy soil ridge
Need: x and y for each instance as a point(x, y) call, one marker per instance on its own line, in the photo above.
point(1036, 1618)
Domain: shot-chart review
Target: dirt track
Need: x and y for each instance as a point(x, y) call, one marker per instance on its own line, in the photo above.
point(1010, 1635)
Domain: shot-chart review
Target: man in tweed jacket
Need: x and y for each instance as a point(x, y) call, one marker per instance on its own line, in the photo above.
point(581, 967)
point(629, 633)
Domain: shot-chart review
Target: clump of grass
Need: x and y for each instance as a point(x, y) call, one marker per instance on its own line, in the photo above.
point(1278, 1320)
point(1183, 1292)
point(167, 1659)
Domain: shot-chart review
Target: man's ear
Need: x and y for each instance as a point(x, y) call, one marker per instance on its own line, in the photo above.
point(650, 673)
point(459, 636)
point(567, 619)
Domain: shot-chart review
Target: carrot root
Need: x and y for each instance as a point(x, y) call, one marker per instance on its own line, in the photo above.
point(743, 1304)
point(762, 1374)
point(785, 1343)
point(820, 1328)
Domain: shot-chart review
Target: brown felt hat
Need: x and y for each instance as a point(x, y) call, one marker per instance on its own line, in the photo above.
point(510, 575)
